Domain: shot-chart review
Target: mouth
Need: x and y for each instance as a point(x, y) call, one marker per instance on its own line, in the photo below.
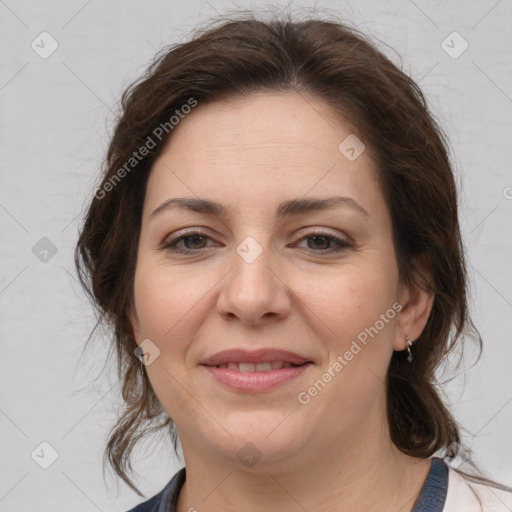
point(258, 367)
point(265, 359)
point(257, 371)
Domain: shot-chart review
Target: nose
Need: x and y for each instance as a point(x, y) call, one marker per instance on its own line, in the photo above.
point(254, 292)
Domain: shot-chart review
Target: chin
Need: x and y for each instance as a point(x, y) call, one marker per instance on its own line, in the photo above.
point(262, 441)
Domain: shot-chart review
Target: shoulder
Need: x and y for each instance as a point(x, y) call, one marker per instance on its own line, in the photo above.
point(466, 496)
point(168, 496)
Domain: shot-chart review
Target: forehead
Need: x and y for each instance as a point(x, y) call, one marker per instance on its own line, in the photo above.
point(260, 149)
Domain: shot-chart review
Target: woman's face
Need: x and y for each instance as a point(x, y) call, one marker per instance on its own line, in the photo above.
point(321, 283)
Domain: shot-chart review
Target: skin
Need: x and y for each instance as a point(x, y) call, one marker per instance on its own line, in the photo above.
point(333, 453)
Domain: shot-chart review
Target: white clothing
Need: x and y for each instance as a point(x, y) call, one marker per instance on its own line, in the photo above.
point(461, 497)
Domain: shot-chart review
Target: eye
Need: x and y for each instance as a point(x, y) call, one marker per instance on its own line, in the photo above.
point(322, 242)
point(192, 240)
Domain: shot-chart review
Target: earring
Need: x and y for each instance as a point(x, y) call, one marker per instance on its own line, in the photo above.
point(409, 345)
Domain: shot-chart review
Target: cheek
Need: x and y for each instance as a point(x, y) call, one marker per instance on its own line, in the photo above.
point(169, 311)
point(356, 312)
point(165, 300)
point(354, 297)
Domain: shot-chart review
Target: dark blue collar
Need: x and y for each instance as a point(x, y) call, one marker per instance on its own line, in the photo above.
point(167, 499)
point(433, 493)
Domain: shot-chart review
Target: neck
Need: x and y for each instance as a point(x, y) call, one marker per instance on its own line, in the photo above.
point(364, 471)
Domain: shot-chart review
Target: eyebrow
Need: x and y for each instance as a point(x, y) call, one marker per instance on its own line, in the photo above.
point(286, 209)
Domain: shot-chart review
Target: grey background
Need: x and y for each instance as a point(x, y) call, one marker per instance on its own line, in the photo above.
point(54, 131)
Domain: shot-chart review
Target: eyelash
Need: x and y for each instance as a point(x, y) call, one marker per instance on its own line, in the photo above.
point(171, 245)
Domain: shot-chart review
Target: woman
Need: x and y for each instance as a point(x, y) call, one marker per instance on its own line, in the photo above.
point(276, 245)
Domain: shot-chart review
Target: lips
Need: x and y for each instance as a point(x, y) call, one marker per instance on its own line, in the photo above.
point(258, 360)
point(257, 371)
point(258, 367)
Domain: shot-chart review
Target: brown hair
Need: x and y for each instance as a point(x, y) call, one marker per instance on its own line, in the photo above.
point(342, 68)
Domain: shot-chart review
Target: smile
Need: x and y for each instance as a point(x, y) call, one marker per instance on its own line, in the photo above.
point(258, 367)
point(255, 378)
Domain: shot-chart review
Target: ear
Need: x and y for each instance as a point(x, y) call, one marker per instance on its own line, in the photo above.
point(416, 301)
